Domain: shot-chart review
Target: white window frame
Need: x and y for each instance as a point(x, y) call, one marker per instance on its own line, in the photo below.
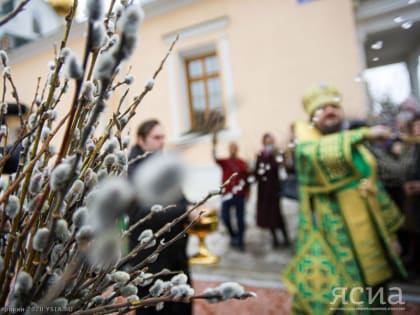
point(178, 89)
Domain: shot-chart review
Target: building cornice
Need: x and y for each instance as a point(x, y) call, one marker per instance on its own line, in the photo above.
point(374, 8)
point(157, 7)
point(45, 43)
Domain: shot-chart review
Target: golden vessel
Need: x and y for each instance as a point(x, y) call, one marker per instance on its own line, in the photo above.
point(206, 225)
point(61, 7)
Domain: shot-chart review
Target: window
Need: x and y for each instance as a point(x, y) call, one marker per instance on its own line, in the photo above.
point(205, 93)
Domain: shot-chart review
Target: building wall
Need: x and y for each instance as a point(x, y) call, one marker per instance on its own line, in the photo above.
point(269, 50)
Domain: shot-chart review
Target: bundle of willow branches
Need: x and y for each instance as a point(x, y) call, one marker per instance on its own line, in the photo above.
point(60, 249)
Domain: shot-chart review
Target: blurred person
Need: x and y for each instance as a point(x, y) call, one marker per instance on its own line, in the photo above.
point(151, 139)
point(13, 124)
point(347, 222)
point(267, 167)
point(235, 192)
point(406, 112)
point(394, 166)
point(412, 202)
point(395, 161)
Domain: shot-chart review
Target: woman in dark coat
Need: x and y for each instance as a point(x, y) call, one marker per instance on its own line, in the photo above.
point(269, 215)
point(151, 138)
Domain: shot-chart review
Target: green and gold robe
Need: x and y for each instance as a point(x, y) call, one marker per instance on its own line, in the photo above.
point(346, 223)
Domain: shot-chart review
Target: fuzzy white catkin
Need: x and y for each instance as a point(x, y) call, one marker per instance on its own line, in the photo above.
point(35, 184)
point(55, 252)
point(3, 183)
point(85, 234)
point(105, 66)
point(102, 175)
point(179, 279)
point(129, 79)
point(59, 176)
point(157, 288)
point(61, 230)
point(23, 282)
point(231, 290)
point(98, 35)
point(79, 217)
point(76, 190)
point(32, 120)
point(111, 145)
point(156, 208)
point(143, 279)
point(73, 68)
point(91, 179)
point(130, 24)
point(120, 277)
point(133, 298)
point(149, 84)
point(182, 290)
point(146, 236)
point(125, 141)
point(4, 108)
point(128, 290)
point(88, 91)
point(51, 65)
point(121, 159)
point(60, 302)
point(3, 130)
point(12, 206)
point(52, 114)
point(99, 299)
point(95, 9)
point(112, 199)
point(159, 179)
point(45, 133)
point(4, 58)
point(110, 160)
point(40, 239)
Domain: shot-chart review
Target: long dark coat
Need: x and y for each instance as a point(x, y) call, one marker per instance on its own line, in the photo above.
point(269, 190)
point(173, 258)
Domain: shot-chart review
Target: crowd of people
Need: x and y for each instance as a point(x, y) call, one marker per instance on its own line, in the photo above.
point(358, 188)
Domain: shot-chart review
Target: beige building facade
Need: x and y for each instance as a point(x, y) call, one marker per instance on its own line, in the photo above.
point(250, 60)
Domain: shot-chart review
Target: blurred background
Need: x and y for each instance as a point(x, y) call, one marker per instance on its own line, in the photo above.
point(241, 66)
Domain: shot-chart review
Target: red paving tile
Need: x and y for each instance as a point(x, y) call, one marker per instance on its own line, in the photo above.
point(269, 301)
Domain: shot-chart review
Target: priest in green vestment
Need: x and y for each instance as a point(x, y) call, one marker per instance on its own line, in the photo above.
point(346, 247)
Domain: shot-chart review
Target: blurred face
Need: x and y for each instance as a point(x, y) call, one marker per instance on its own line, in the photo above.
point(155, 140)
point(416, 128)
point(233, 149)
point(268, 140)
point(329, 119)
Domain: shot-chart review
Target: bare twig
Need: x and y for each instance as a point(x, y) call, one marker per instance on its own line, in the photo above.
point(15, 12)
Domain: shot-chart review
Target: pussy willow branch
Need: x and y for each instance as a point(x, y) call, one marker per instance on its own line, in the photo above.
point(15, 12)
point(15, 95)
point(44, 147)
point(7, 258)
point(168, 226)
point(130, 306)
point(117, 291)
point(67, 135)
point(162, 245)
point(138, 158)
point(59, 60)
point(132, 108)
point(141, 221)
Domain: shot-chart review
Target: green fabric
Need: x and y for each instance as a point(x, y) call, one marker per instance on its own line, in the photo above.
point(325, 167)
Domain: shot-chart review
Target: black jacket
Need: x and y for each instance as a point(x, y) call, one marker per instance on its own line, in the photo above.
point(174, 257)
